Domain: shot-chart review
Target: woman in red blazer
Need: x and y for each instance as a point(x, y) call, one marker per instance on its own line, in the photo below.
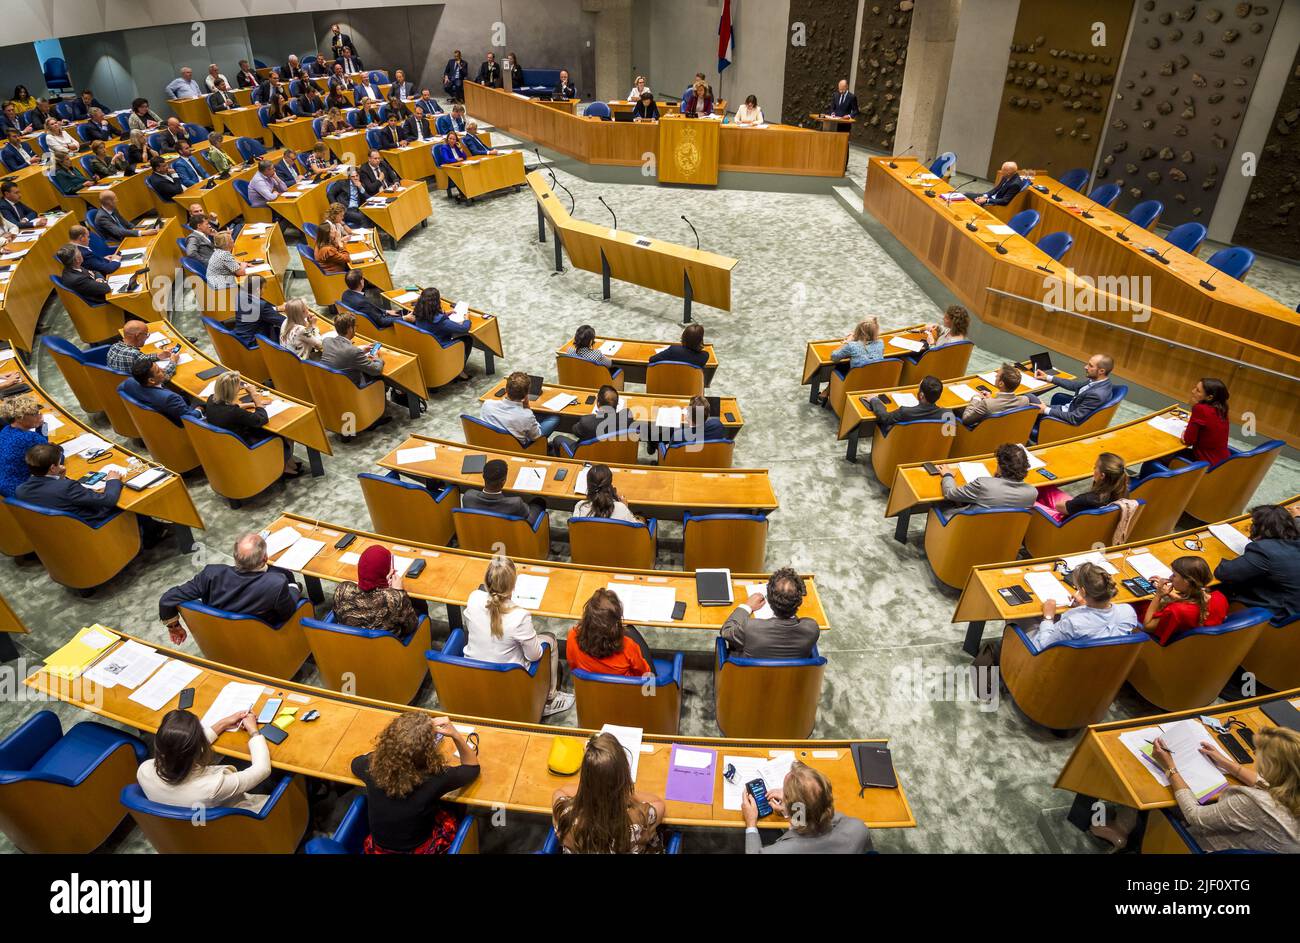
point(699, 101)
point(1207, 429)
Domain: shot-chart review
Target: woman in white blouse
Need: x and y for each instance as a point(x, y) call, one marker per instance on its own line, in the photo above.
point(58, 141)
point(502, 633)
point(298, 333)
point(749, 114)
point(639, 89)
point(182, 772)
point(602, 499)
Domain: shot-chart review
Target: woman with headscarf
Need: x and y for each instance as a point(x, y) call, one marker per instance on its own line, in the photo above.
point(376, 600)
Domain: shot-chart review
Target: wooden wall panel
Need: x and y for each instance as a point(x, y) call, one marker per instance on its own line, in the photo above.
point(1058, 84)
point(1270, 220)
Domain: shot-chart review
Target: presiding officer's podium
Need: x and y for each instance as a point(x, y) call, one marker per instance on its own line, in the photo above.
point(688, 150)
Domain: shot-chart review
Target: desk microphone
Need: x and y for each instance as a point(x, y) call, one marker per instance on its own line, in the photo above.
point(1042, 188)
point(555, 182)
point(1205, 282)
point(1120, 235)
point(1158, 256)
point(919, 167)
point(1044, 268)
point(694, 230)
point(1085, 214)
point(894, 164)
point(970, 223)
point(1056, 197)
point(1000, 248)
point(611, 212)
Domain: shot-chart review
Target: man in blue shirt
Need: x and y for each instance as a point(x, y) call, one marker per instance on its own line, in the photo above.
point(187, 167)
point(145, 385)
point(185, 86)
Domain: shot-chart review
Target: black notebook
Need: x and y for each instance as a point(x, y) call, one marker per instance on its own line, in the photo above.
point(713, 587)
point(1283, 713)
point(534, 385)
point(211, 372)
point(875, 766)
point(473, 464)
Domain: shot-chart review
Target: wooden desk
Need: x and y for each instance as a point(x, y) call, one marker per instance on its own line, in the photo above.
point(193, 110)
point(295, 133)
point(484, 329)
point(299, 423)
point(817, 362)
point(401, 369)
point(689, 274)
point(1077, 315)
point(642, 406)
point(264, 241)
point(980, 601)
point(451, 574)
point(350, 147)
point(37, 190)
point(633, 357)
point(169, 500)
point(413, 160)
point(243, 122)
point(134, 198)
point(160, 259)
point(1102, 767)
point(305, 202)
point(486, 174)
point(23, 292)
point(569, 105)
point(402, 210)
point(832, 122)
point(1069, 460)
point(221, 197)
point(10, 625)
point(513, 756)
point(652, 491)
point(688, 150)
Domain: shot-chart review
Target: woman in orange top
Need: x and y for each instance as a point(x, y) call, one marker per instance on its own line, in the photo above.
point(330, 253)
point(602, 644)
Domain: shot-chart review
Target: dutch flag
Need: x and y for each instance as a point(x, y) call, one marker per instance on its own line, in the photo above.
point(726, 38)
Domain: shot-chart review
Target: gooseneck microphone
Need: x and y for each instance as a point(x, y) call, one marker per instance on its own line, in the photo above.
point(611, 212)
point(894, 164)
point(1085, 214)
point(555, 182)
point(1001, 248)
point(694, 230)
point(1120, 235)
point(1205, 282)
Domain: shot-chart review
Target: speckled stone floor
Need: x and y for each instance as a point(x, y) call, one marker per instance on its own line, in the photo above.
point(977, 780)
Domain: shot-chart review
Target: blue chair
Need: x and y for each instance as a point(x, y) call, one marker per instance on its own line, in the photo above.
point(1105, 195)
point(276, 829)
point(233, 638)
point(1056, 244)
point(1193, 667)
point(484, 530)
point(1274, 659)
point(316, 124)
point(1187, 237)
point(196, 132)
point(672, 843)
point(598, 110)
point(944, 165)
point(307, 62)
point(1075, 179)
point(251, 213)
point(234, 469)
point(122, 150)
point(620, 448)
point(619, 699)
point(55, 72)
point(64, 111)
point(354, 117)
point(603, 541)
point(1145, 213)
point(83, 130)
point(76, 554)
point(442, 124)
point(249, 148)
point(374, 139)
point(296, 107)
point(1070, 684)
point(377, 77)
point(295, 87)
point(40, 141)
point(1024, 222)
point(736, 542)
point(766, 698)
point(1227, 486)
point(95, 321)
point(1051, 429)
point(706, 453)
point(1167, 834)
point(72, 362)
point(1081, 531)
point(85, 166)
point(477, 688)
point(350, 836)
point(259, 64)
point(405, 510)
point(264, 115)
point(1165, 492)
point(309, 230)
point(155, 140)
point(369, 662)
point(58, 791)
point(1233, 260)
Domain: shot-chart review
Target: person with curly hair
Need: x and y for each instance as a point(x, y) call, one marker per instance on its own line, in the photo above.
point(816, 828)
point(406, 776)
point(1006, 489)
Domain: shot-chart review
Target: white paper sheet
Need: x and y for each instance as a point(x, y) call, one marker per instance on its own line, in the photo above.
point(1046, 586)
point(1230, 537)
point(277, 406)
point(761, 589)
point(967, 393)
point(529, 590)
point(609, 349)
point(630, 739)
point(1148, 566)
point(669, 417)
point(298, 556)
point(172, 678)
point(1000, 229)
point(282, 538)
point(422, 453)
point(529, 478)
point(972, 470)
point(236, 696)
point(904, 399)
point(1175, 427)
point(558, 402)
point(127, 665)
point(643, 603)
point(1094, 556)
point(580, 482)
point(687, 758)
point(148, 478)
point(904, 343)
point(461, 311)
point(83, 442)
point(1034, 460)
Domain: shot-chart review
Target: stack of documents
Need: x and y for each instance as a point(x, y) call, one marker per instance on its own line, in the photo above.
point(127, 666)
point(1184, 739)
point(1148, 566)
point(643, 603)
point(1171, 424)
point(1046, 586)
point(972, 470)
point(422, 453)
point(1230, 537)
point(87, 645)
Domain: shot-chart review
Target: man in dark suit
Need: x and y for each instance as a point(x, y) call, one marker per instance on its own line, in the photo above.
point(339, 40)
point(109, 223)
point(48, 487)
point(247, 78)
point(345, 356)
point(87, 285)
point(249, 588)
point(147, 385)
point(750, 633)
point(290, 69)
point(288, 169)
point(97, 127)
point(79, 236)
point(1009, 183)
point(489, 73)
point(367, 89)
point(84, 104)
point(172, 134)
point(428, 103)
point(491, 497)
point(351, 194)
point(222, 99)
point(401, 88)
point(320, 66)
point(350, 63)
point(310, 101)
point(565, 88)
point(690, 350)
point(13, 209)
point(390, 135)
point(608, 419)
point(1091, 392)
point(377, 174)
point(927, 395)
point(1267, 573)
point(17, 154)
point(417, 127)
point(454, 75)
point(844, 104)
point(10, 118)
point(354, 297)
point(163, 180)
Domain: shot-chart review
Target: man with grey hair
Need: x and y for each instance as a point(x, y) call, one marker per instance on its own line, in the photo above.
point(87, 285)
point(266, 184)
point(249, 588)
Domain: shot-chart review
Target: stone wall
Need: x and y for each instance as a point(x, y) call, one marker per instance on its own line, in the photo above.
point(1270, 219)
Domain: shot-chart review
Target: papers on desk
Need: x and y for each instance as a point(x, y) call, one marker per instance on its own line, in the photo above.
point(966, 393)
point(147, 479)
point(772, 770)
point(234, 698)
point(28, 237)
point(903, 343)
point(1046, 586)
point(256, 229)
point(1094, 556)
point(1170, 424)
point(52, 422)
point(71, 660)
point(972, 470)
point(422, 453)
point(118, 282)
point(580, 482)
point(301, 553)
point(629, 739)
point(529, 478)
point(460, 312)
point(363, 256)
point(99, 487)
point(182, 359)
point(171, 679)
point(610, 348)
point(407, 298)
point(642, 603)
point(283, 538)
point(1001, 229)
point(83, 443)
point(1184, 739)
point(260, 268)
point(1034, 460)
point(529, 590)
point(1230, 537)
point(669, 417)
point(207, 390)
point(558, 402)
point(128, 665)
point(1148, 566)
point(133, 255)
point(376, 202)
point(157, 339)
point(761, 589)
point(953, 197)
point(276, 406)
point(690, 775)
point(904, 399)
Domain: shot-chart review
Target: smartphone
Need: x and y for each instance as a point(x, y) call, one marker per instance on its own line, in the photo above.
point(416, 568)
point(758, 789)
point(269, 710)
point(502, 392)
point(1235, 749)
point(930, 468)
point(92, 479)
point(1010, 596)
point(679, 610)
point(730, 417)
point(1046, 474)
point(344, 542)
point(884, 398)
point(561, 474)
point(1139, 586)
point(1247, 737)
point(186, 700)
point(590, 400)
point(273, 733)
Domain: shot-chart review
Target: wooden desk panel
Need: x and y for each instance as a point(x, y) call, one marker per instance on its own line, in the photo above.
point(221, 197)
point(512, 756)
point(295, 133)
point(161, 260)
point(23, 294)
point(485, 329)
point(651, 490)
point(817, 362)
point(192, 110)
point(406, 208)
point(634, 357)
point(688, 150)
point(9, 621)
point(480, 175)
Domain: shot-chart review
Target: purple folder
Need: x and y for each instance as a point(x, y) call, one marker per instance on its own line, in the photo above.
point(687, 783)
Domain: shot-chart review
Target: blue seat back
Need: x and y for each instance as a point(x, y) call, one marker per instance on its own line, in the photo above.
point(1106, 194)
point(944, 164)
point(1024, 222)
point(1145, 213)
point(1187, 237)
point(249, 148)
point(1233, 260)
point(1075, 179)
point(1056, 244)
point(442, 124)
point(597, 110)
